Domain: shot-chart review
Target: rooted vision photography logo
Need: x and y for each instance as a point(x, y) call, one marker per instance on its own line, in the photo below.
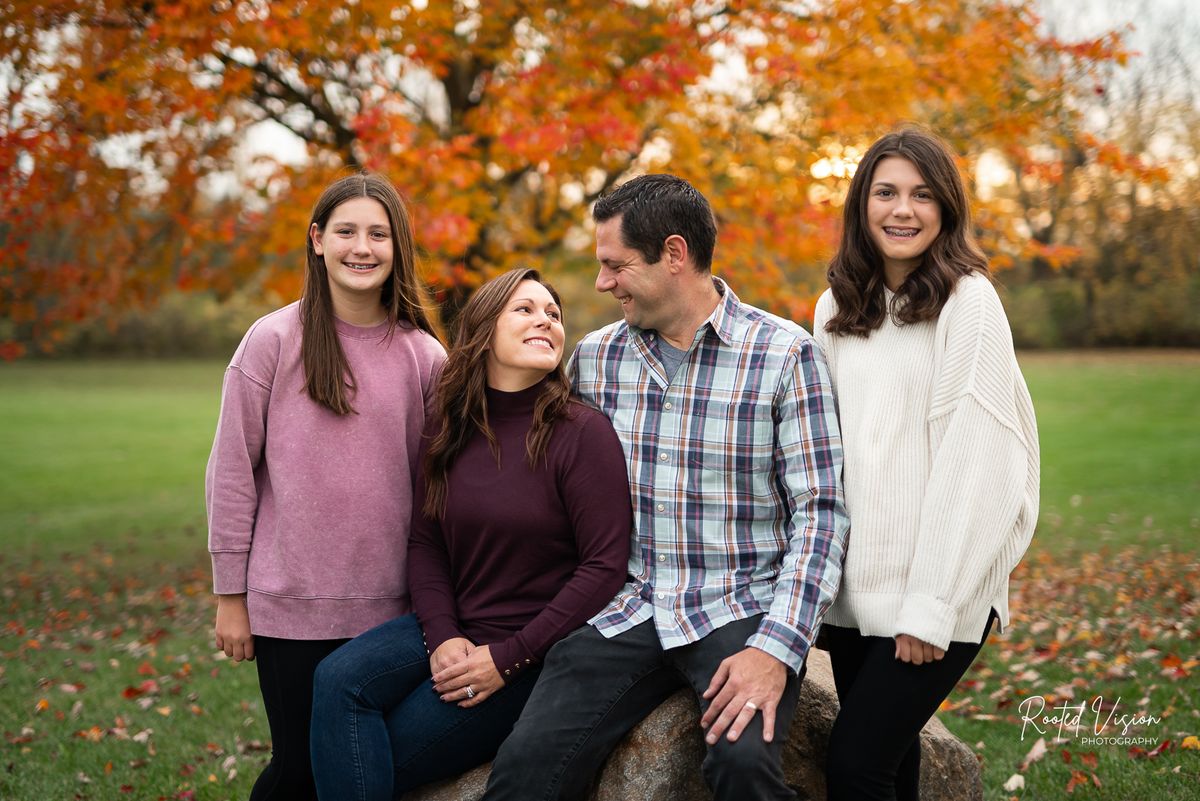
point(1095, 723)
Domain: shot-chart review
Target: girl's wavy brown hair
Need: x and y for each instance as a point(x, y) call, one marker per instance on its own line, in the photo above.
point(461, 407)
point(856, 273)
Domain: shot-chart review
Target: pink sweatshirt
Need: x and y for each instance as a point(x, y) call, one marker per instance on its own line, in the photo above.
point(308, 512)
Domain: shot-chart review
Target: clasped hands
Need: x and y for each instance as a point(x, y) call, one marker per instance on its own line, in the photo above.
point(458, 664)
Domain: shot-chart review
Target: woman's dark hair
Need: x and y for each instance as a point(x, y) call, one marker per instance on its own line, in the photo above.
point(327, 375)
point(856, 273)
point(461, 407)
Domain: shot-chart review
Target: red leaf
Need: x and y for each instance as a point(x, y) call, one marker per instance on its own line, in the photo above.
point(1161, 748)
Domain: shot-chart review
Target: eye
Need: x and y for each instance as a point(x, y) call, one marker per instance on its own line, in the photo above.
point(554, 315)
point(923, 195)
point(883, 193)
point(380, 235)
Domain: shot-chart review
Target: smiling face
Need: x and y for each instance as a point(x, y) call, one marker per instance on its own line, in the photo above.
point(903, 217)
point(642, 289)
point(356, 247)
point(527, 342)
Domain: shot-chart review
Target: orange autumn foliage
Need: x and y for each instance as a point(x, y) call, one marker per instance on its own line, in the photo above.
point(500, 120)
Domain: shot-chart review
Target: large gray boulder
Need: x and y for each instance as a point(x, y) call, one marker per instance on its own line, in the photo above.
point(660, 759)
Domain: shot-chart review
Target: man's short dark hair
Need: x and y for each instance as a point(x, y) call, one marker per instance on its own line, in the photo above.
point(654, 207)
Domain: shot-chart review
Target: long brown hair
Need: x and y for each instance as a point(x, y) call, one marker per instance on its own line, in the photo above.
point(856, 272)
point(327, 375)
point(461, 407)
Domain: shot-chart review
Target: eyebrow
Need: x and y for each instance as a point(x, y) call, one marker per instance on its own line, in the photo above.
point(893, 186)
point(348, 224)
point(531, 300)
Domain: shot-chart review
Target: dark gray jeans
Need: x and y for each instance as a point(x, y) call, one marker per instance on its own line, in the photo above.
point(593, 690)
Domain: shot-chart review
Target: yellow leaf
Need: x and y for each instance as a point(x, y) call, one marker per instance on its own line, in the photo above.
point(1191, 742)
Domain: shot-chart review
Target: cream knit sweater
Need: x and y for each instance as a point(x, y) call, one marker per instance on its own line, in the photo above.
point(941, 468)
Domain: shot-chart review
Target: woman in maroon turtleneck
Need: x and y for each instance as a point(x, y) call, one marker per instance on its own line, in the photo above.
point(521, 533)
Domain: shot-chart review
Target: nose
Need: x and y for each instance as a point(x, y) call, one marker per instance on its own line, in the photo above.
point(903, 207)
point(362, 243)
point(605, 280)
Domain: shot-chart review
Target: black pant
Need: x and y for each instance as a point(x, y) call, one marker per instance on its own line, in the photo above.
point(285, 676)
point(875, 747)
point(593, 690)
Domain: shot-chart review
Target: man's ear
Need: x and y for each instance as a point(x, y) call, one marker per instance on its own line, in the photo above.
point(675, 251)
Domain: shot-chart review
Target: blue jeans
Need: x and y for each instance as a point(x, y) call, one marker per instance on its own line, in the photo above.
point(379, 728)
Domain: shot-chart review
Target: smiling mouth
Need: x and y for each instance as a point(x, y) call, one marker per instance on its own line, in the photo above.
point(539, 342)
point(362, 268)
point(901, 233)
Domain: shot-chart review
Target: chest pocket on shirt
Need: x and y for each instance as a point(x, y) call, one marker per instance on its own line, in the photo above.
point(736, 454)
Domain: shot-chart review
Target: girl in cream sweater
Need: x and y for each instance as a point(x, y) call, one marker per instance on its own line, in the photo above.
point(941, 458)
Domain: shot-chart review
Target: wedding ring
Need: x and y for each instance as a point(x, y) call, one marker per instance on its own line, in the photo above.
point(470, 692)
point(750, 705)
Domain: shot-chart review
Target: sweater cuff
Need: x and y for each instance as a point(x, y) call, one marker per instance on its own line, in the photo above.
point(781, 641)
point(511, 658)
point(928, 619)
point(229, 572)
point(438, 630)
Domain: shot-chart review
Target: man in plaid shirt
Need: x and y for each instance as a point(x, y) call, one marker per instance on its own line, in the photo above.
point(728, 423)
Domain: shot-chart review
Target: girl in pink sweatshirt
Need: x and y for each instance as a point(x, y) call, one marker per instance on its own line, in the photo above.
point(310, 482)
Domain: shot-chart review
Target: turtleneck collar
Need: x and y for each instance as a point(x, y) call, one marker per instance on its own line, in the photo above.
point(513, 404)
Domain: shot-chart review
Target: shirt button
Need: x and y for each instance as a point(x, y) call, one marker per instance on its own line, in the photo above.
point(507, 672)
point(667, 406)
point(662, 557)
point(662, 457)
point(662, 507)
point(661, 596)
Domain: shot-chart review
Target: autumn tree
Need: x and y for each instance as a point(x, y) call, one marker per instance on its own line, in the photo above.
point(501, 121)
point(1111, 208)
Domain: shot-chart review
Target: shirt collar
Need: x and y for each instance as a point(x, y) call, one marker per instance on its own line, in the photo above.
point(720, 321)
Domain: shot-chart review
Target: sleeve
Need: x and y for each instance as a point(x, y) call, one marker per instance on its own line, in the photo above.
point(595, 491)
point(973, 514)
point(808, 466)
point(230, 488)
point(821, 316)
point(430, 583)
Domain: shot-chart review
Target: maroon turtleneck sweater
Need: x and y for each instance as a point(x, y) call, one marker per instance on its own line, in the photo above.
point(523, 555)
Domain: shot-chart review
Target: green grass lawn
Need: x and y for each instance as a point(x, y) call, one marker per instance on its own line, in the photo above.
point(110, 687)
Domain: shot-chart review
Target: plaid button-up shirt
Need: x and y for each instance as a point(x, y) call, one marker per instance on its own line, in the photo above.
point(735, 469)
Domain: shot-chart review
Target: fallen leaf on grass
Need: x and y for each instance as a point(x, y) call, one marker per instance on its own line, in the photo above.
point(1037, 752)
point(1191, 743)
point(1161, 748)
point(1015, 782)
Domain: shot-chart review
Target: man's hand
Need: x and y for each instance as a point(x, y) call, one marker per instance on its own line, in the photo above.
point(451, 652)
point(233, 628)
point(746, 683)
point(910, 649)
point(477, 671)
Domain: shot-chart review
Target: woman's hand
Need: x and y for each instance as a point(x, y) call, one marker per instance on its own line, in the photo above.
point(910, 649)
point(451, 652)
point(233, 628)
point(477, 671)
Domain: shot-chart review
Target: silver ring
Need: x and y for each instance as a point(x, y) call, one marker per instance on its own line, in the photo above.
point(470, 692)
point(750, 705)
